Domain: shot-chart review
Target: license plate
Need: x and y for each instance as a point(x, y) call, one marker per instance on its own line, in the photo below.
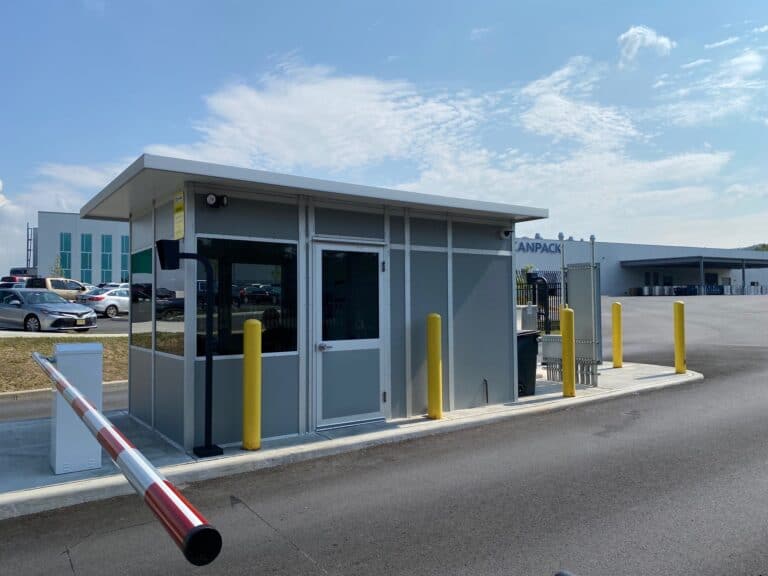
point(80, 322)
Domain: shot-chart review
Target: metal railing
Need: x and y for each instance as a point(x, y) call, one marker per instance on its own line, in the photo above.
point(199, 541)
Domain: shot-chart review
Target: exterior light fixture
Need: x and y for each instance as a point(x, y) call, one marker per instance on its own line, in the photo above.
point(216, 201)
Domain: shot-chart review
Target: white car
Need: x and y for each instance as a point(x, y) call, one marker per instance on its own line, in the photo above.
point(106, 301)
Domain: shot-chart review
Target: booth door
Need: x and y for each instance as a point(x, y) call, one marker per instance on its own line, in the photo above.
point(348, 339)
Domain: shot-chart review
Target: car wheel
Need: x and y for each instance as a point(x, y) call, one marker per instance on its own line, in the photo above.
point(111, 311)
point(82, 329)
point(32, 323)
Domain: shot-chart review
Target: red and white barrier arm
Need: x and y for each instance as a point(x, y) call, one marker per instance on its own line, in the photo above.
point(199, 541)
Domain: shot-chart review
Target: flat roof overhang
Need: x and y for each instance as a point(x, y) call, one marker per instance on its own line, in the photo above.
point(156, 178)
point(709, 262)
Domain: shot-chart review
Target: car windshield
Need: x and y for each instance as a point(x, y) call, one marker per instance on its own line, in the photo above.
point(43, 297)
point(98, 291)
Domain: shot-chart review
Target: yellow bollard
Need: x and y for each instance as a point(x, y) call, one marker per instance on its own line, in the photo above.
point(618, 348)
point(569, 352)
point(252, 385)
point(434, 367)
point(679, 315)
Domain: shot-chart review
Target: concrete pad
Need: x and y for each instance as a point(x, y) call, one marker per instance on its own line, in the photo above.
point(181, 468)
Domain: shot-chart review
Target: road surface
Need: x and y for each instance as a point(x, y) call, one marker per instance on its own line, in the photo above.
point(670, 482)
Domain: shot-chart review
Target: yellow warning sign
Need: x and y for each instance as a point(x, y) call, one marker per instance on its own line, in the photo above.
point(178, 214)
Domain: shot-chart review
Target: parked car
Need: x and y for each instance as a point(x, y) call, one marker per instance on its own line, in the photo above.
point(64, 287)
point(258, 294)
point(35, 310)
point(108, 302)
point(112, 285)
point(15, 278)
point(169, 308)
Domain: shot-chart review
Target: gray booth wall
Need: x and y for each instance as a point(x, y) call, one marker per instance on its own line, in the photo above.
point(482, 312)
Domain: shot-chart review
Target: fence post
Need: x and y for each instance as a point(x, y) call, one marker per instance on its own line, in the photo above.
point(252, 385)
point(618, 348)
point(434, 367)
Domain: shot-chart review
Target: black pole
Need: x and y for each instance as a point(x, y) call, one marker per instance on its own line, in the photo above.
point(209, 448)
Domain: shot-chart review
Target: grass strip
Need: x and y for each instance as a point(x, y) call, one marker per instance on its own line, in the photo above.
point(19, 372)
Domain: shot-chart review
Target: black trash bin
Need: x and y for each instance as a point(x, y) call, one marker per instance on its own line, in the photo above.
point(527, 349)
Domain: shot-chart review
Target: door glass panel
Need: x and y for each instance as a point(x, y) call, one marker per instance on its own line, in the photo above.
point(350, 295)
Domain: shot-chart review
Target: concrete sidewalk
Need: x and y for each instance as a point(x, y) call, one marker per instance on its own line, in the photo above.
point(23, 447)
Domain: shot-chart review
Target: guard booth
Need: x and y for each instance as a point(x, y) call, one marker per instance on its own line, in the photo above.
point(341, 276)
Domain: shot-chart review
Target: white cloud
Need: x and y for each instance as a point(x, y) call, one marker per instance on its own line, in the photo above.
point(734, 87)
point(760, 30)
point(721, 43)
point(638, 37)
point(303, 118)
point(695, 63)
point(479, 33)
point(560, 108)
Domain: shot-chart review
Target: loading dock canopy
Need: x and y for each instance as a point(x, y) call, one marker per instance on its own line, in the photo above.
point(708, 262)
point(155, 178)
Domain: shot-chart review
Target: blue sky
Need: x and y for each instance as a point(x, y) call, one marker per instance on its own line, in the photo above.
point(635, 121)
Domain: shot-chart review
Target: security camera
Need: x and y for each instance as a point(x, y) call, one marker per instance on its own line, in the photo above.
point(216, 201)
point(506, 233)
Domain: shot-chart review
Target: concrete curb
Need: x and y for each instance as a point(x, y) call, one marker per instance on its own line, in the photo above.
point(24, 502)
point(39, 393)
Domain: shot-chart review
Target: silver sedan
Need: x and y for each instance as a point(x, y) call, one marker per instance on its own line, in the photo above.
point(35, 310)
point(107, 301)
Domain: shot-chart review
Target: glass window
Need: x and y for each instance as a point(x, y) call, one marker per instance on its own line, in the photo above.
point(106, 258)
point(58, 285)
point(65, 254)
point(141, 299)
point(169, 310)
point(72, 285)
point(350, 295)
point(252, 280)
point(86, 260)
point(125, 247)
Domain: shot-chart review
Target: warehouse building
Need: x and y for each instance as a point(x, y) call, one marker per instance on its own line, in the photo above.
point(342, 277)
point(646, 269)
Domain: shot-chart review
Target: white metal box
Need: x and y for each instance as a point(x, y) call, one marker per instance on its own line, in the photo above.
point(73, 448)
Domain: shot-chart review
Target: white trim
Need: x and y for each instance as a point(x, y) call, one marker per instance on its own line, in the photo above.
point(407, 298)
point(190, 311)
point(219, 357)
point(332, 238)
point(309, 336)
point(386, 353)
point(301, 317)
point(246, 238)
point(482, 252)
point(154, 316)
point(513, 315)
point(377, 344)
point(449, 320)
point(150, 166)
point(336, 423)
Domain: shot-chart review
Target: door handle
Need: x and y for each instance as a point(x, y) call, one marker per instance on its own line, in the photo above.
point(323, 346)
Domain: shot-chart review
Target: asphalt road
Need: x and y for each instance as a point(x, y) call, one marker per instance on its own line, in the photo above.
point(669, 482)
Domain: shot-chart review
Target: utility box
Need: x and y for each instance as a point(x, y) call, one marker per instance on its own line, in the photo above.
point(73, 448)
